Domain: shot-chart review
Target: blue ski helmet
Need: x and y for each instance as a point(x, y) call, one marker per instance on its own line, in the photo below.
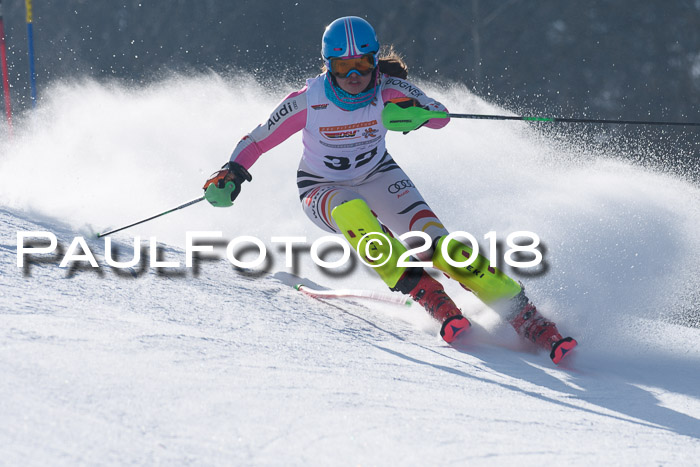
point(348, 37)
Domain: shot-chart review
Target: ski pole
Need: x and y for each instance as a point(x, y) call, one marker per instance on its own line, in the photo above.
point(569, 120)
point(407, 119)
point(189, 203)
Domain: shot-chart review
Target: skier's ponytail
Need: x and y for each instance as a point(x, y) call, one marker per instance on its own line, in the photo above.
point(391, 63)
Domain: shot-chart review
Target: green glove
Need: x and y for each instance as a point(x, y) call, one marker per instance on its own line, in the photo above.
point(224, 186)
point(220, 197)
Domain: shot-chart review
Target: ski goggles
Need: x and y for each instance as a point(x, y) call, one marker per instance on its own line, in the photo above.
point(342, 67)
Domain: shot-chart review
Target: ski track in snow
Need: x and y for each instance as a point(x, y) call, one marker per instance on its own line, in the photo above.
point(216, 366)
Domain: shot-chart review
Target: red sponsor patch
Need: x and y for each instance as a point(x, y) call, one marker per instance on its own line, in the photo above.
point(347, 131)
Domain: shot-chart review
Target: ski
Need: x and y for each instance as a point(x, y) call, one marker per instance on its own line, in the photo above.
point(558, 352)
point(355, 293)
point(314, 290)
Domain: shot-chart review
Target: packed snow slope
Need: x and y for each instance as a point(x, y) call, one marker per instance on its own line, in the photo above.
point(216, 365)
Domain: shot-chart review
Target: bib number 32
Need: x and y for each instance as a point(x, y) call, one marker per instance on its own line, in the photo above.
point(345, 163)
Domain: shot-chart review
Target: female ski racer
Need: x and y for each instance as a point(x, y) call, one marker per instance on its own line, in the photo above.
point(348, 182)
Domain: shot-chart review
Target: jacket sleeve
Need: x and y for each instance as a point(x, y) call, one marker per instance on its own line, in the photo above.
point(394, 88)
point(287, 118)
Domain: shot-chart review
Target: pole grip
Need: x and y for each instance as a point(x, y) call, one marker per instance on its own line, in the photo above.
point(28, 5)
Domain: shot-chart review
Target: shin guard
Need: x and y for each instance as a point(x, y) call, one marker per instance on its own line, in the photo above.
point(489, 284)
point(381, 251)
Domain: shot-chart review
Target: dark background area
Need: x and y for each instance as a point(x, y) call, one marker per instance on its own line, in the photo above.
point(599, 58)
point(611, 59)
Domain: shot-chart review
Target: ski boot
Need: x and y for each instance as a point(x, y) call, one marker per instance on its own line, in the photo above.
point(355, 220)
point(432, 296)
point(531, 325)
